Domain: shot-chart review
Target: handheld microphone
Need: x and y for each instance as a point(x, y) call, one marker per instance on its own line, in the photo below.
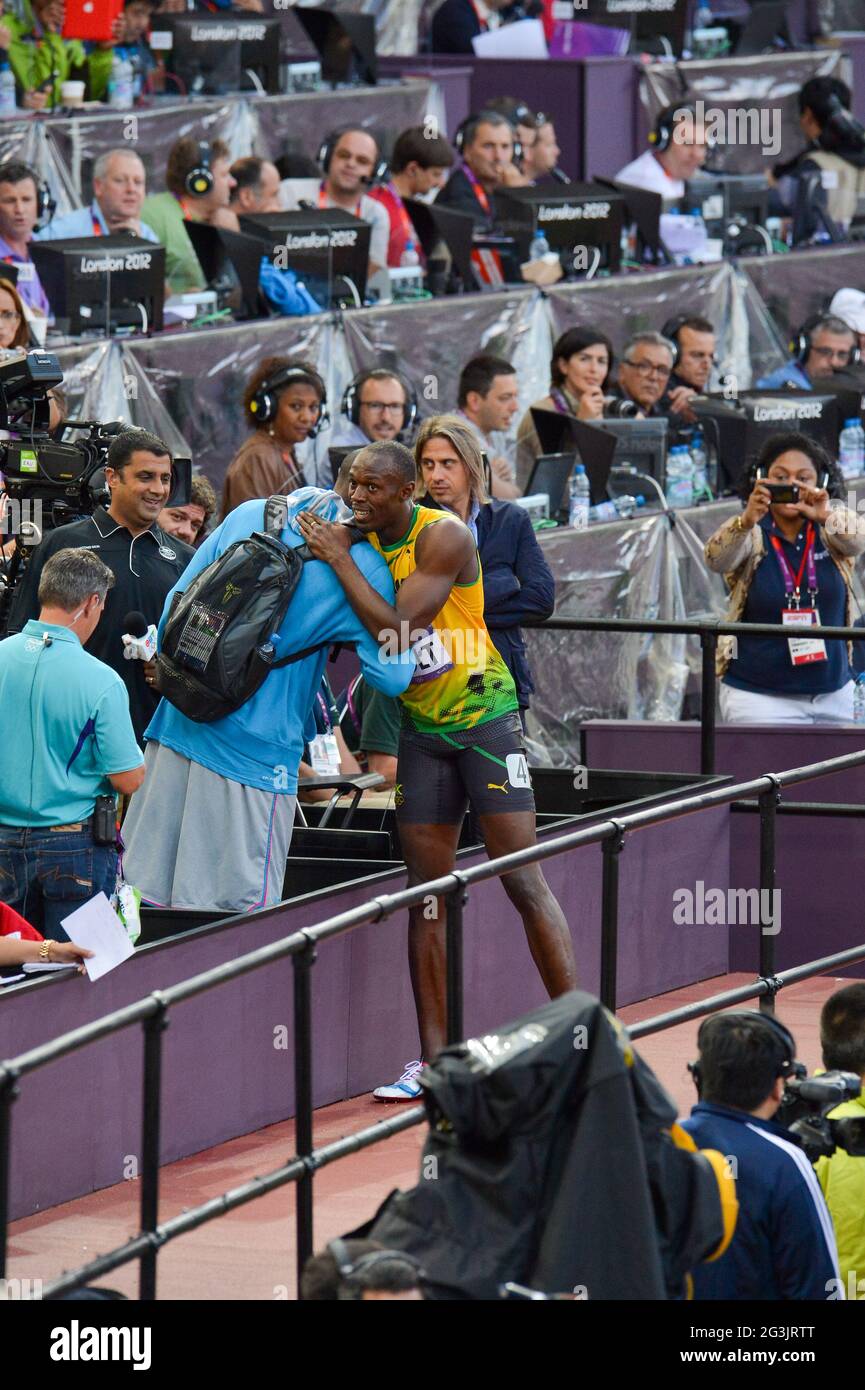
point(139, 638)
point(559, 175)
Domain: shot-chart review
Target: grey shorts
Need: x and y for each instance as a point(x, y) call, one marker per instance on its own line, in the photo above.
point(198, 840)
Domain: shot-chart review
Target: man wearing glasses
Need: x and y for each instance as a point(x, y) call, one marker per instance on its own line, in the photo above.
point(376, 405)
point(645, 371)
point(821, 347)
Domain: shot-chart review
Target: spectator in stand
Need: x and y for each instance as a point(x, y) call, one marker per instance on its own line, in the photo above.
point(190, 523)
point(350, 157)
point(644, 371)
point(518, 583)
point(284, 402)
point(14, 332)
point(488, 398)
point(768, 555)
point(73, 742)
point(486, 163)
point(842, 1176)
point(417, 167)
point(119, 188)
point(456, 22)
point(677, 149)
point(199, 183)
point(134, 47)
point(783, 1247)
point(579, 372)
point(42, 60)
point(378, 405)
point(256, 186)
point(19, 213)
point(823, 345)
point(694, 341)
point(144, 560)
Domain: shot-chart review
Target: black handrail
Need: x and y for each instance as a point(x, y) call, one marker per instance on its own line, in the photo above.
point(152, 1014)
point(708, 632)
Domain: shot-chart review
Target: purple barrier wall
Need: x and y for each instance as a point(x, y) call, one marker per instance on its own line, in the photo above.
point(818, 859)
point(228, 1054)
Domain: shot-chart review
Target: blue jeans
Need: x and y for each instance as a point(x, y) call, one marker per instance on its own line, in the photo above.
point(46, 873)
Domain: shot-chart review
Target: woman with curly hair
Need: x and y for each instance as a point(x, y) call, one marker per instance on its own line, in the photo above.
point(788, 562)
point(283, 402)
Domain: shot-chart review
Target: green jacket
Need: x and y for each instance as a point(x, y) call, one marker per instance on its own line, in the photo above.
point(35, 61)
point(842, 1179)
point(163, 213)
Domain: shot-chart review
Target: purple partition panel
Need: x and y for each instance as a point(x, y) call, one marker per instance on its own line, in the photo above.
point(610, 122)
point(228, 1054)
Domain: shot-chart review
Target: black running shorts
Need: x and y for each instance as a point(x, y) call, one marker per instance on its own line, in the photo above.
point(438, 775)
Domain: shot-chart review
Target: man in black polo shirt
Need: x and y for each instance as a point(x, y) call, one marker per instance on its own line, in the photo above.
point(145, 560)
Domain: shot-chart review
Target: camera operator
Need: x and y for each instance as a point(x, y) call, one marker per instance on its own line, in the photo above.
point(19, 213)
point(190, 523)
point(842, 1177)
point(783, 1246)
point(146, 562)
point(73, 742)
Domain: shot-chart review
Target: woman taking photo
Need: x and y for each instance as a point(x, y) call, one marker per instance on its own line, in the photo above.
point(788, 562)
point(284, 402)
point(579, 371)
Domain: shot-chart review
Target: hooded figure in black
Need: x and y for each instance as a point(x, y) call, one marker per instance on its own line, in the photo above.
point(554, 1160)
point(820, 188)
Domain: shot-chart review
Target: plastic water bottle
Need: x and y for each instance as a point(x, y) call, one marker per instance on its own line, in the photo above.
point(120, 85)
point(700, 460)
point(540, 246)
point(409, 256)
point(859, 701)
point(680, 477)
point(618, 509)
point(7, 89)
point(703, 17)
point(851, 449)
point(579, 495)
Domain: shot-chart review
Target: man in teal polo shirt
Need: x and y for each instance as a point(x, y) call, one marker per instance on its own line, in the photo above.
point(68, 740)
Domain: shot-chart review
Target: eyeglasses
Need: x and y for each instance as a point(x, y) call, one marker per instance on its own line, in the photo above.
point(381, 406)
point(647, 369)
point(9, 316)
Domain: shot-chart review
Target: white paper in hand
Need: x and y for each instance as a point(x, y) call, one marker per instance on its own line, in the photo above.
point(96, 925)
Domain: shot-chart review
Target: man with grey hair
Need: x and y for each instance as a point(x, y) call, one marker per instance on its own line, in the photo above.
point(645, 371)
point(119, 190)
point(823, 345)
point(73, 743)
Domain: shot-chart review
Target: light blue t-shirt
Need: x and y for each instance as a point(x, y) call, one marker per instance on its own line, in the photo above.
point(65, 717)
point(791, 374)
point(80, 223)
point(260, 744)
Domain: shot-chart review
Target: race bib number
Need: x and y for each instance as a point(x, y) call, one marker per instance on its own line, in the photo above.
point(803, 650)
point(431, 657)
point(518, 770)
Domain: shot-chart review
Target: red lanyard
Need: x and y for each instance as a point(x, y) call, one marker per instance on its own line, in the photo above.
point(323, 201)
point(793, 583)
point(97, 225)
point(479, 17)
point(479, 192)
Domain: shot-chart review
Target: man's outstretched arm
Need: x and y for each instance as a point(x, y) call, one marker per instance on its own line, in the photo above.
point(442, 552)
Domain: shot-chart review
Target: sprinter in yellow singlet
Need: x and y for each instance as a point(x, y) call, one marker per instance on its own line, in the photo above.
point(461, 740)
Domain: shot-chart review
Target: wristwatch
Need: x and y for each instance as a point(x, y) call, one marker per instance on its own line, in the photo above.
point(45, 949)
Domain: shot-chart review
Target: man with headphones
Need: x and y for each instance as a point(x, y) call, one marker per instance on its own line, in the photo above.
point(693, 337)
point(486, 145)
point(361, 1271)
point(784, 1245)
point(23, 203)
point(823, 345)
point(351, 164)
point(199, 183)
point(677, 149)
point(378, 403)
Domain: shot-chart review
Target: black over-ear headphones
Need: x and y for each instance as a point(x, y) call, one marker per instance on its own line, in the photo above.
point(264, 404)
point(467, 129)
point(350, 405)
point(671, 330)
point(199, 180)
point(350, 1271)
point(661, 134)
point(325, 153)
point(800, 344)
point(781, 1038)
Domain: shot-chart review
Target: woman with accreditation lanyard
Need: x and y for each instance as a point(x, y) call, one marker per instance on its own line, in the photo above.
point(788, 558)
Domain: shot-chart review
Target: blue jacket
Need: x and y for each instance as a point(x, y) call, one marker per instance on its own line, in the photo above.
point(518, 583)
point(260, 744)
point(791, 374)
point(784, 1244)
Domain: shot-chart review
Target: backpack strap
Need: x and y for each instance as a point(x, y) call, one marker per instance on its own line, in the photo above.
point(304, 554)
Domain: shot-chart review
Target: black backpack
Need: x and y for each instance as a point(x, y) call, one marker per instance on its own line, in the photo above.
point(217, 646)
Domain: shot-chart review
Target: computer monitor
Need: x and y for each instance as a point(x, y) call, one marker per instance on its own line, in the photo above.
point(214, 54)
point(326, 247)
point(103, 285)
point(738, 427)
point(766, 22)
point(562, 434)
point(571, 216)
point(345, 44)
point(722, 197)
point(643, 209)
point(231, 263)
point(550, 475)
point(657, 26)
point(640, 443)
point(445, 228)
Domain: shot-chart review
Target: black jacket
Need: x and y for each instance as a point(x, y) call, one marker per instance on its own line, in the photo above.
point(553, 1160)
point(158, 559)
point(459, 195)
point(454, 25)
point(518, 584)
